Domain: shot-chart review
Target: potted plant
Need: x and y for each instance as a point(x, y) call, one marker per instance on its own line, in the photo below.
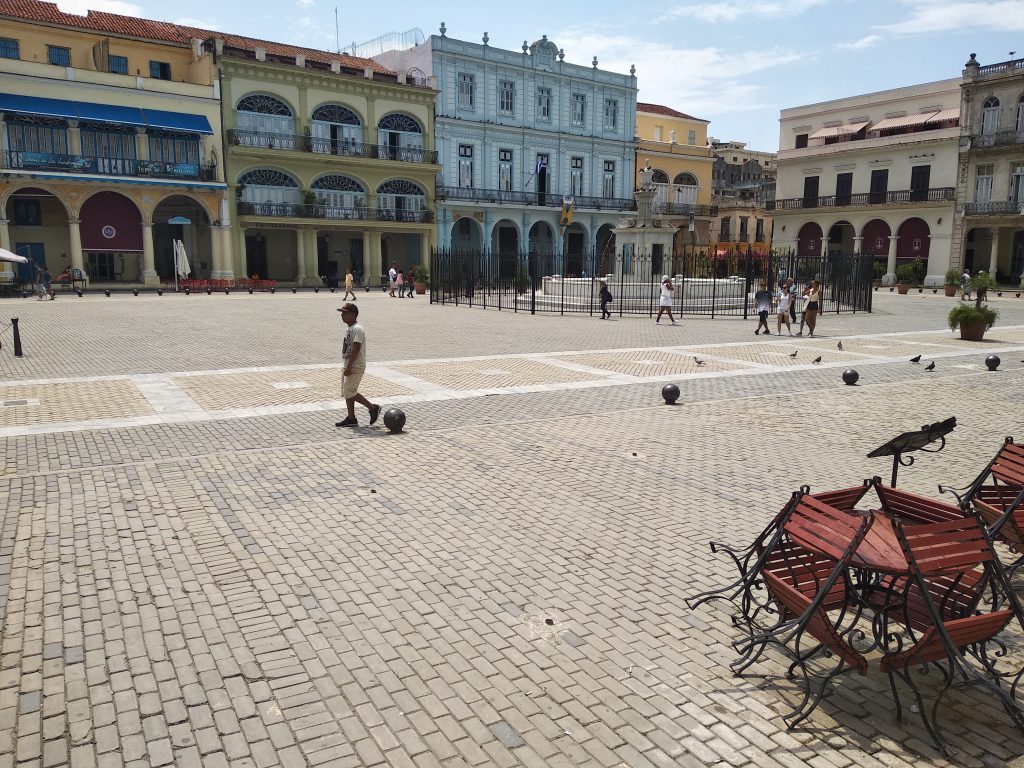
point(920, 270)
point(311, 206)
point(974, 319)
point(421, 277)
point(522, 280)
point(951, 282)
point(904, 277)
point(878, 270)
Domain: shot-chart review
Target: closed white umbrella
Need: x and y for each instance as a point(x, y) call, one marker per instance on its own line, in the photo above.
point(6, 255)
point(181, 265)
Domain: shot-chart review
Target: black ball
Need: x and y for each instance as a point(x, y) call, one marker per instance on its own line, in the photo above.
point(135, 291)
point(250, 291)
point(316, 289)
point(671, 393)
point(294, 290)
point(273, 290)
point(332, 290)
point(208, 291)
point(188, 292)
point(394, 419)
point(992, 362)
point(79, 292)
point(850, 377)
point(107, 292)
point(159, 291)
point(227, 292)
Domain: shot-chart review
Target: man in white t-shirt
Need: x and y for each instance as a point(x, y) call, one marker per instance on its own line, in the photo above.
point(392, 277)
point(353, 352)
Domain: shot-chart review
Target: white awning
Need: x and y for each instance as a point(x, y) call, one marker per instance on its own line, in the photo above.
point(907, 121)
point(953, 113)
point(837, 130)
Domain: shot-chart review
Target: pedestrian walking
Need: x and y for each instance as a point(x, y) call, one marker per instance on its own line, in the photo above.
point(48, 284)
point(813, 306)
point(965, 285)
point(349, 280)
point(763, 303)
point(399, 284)
point(665, 302)
point(802, 298)
point(353, 353)
point(605, 297)
point(37, 283)
point(410, 283)
point(791, 284)
point(785, 299)
point(392, 274)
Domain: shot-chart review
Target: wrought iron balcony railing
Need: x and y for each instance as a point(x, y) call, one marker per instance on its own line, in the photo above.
point(108, 166)
point(338, 147)
point(994, 208)
point(896, 197)
point(685, 209)
point(548, 199)
point(314, 211)
point(999, 139)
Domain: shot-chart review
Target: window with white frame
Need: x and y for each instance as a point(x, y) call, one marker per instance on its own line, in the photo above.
point(467, 84)
point(611, 114)
point(465, 166)
point(505, 170)
point(691, 139)
point(576, 176)
point(507, 97)
point(990, 116)
point(543, 103)
point(983, 184)
point(608, 184)
point(1020, 115)
point(1016, 183)
point(579, 108)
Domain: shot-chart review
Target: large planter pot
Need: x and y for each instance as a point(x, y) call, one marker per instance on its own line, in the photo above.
point(902, 288)
point(950, 290)
point(972, 331)
point(421, 288)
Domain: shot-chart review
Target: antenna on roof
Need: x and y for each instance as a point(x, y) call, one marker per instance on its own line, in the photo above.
point(337, 32)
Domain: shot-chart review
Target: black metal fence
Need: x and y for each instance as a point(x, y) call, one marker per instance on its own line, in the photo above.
point(708, 281)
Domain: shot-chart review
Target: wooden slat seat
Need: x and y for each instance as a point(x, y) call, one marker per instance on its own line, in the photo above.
point(962, 632)
point(911, 506)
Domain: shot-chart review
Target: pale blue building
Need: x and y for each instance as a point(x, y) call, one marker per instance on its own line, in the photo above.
point(517, 132)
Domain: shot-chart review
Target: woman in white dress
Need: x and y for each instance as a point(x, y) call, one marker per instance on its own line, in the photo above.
point(665, 302)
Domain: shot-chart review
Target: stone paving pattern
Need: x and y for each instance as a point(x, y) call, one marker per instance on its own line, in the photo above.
point(500, 586)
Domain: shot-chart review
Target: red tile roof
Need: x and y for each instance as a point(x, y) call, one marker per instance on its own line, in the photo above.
point(643, 106)
point(127, 26)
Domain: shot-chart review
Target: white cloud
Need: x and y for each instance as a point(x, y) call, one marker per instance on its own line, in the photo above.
point(735, 10)
point(928, 16)
point(80, 7)
point(305, 3)
point(867, 41)
point(211, 24)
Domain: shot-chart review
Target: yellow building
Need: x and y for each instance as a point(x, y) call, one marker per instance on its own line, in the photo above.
point(676, 146)
point(109, 131)
point(331, 162)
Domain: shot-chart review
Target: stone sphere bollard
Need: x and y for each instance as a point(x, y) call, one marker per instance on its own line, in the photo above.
point(79, 292)
point(227, 292)
point(850, 377)
point(671, 393)
point(992, 362)
point(188, 292)
point(250, 291)
point(316, 289)
point(135, 291)
point(394, 419)
point(107, 293)
point(294, 290)
point(273, 290)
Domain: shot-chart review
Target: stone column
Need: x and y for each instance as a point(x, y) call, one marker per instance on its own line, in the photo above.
point(141, 144)
point(993, 234)
point(300, 256)
point(425, 247)
point(74, 138)
point(227, 253)
point(890, 265)
point(374, 267)
point(6, 268)
point(216, 252)
point(857, 243)
point(149, 275)
point(75, 237)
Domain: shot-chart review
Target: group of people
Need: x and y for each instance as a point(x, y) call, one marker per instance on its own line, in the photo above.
point(788, 301)
point(44, 284)
point(403, 283)
point(664, 300)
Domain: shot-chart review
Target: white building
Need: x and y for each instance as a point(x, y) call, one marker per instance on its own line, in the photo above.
point(874, 173)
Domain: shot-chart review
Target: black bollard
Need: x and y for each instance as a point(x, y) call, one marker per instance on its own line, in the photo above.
point(17, 337)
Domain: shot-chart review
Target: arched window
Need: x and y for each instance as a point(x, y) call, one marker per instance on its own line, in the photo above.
point(267, 190)
point(659, 177)
point(990, 115)
point(684, 189)
point(400, 138)
point(686, 179)
point(336, 130)
point(264, 121)
point(343, 196)
point(401, 200)
point(1020, 114)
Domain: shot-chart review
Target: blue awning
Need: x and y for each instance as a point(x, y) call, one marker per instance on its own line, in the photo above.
point(104, 113)
point(177, 121)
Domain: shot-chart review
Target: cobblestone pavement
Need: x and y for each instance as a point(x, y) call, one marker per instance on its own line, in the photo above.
point(198, 569)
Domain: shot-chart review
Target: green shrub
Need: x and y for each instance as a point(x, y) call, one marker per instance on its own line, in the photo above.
point(919, 270)
point(905, 273)
point(952, 277)
point(965, 314)
point(420, 274)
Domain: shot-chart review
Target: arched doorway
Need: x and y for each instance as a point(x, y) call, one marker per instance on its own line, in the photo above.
point(809, 240)
point(574, 250)
point(874, 238)
point(914, 240)
point(38, 228)
point(605, 239)
point(1017, 255)
point(191, 226)
point(336, 130)
point(400, 137)
point(505, 246)
point(111, 229)
point(467, 236)
point(264, 121)
point(840, 238)
point(542, 247)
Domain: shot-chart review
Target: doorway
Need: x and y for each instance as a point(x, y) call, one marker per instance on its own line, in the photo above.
point(36, 255)
point(256, 255)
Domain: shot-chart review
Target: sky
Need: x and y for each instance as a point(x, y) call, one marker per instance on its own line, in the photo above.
point(735, 63)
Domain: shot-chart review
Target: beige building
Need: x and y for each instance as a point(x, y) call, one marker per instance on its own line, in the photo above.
point(989, 230)
point(743, 181)
point(676, 144)
point(109, 132)
point(874, 174)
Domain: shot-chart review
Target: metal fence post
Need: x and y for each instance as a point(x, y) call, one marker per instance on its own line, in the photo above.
point(17, 337)
point(533, 283)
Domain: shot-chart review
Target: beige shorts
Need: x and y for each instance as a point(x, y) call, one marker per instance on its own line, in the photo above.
point(350, 384)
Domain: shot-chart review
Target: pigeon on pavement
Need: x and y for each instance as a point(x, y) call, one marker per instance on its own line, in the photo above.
point(698, 361)
point(794, 353)
point(930, 366)
point(816, 360)
point(915, 359)
point(839, 346)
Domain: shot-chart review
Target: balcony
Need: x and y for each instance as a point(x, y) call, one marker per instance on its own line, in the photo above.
point(336, 147)
point(106, 166)
point(330, 213)
point(685, 209)
point(896, 197)
point(549, 200)
point(998, 208)
point(1000, 139)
